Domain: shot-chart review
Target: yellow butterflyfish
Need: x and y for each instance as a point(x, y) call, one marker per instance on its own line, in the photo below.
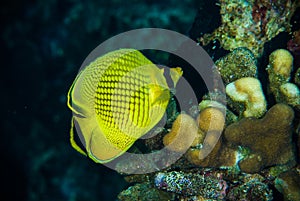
point(115, 100)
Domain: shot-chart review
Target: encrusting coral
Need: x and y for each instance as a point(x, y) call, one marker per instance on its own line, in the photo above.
point(237, 64)
point(248, 91)
point(269, 139)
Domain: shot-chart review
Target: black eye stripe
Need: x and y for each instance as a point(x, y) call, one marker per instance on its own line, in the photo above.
point(167, 75)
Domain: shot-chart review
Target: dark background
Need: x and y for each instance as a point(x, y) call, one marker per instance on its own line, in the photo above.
point(43, 44)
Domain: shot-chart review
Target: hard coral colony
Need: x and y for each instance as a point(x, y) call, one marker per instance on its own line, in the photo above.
point(256, 157)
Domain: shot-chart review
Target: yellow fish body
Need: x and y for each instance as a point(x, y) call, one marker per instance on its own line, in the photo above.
point(115, 100)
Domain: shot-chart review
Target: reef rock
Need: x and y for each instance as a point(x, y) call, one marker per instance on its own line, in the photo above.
point(252, 188)
point(143, 192)
point(251, 23)
point(206, 184)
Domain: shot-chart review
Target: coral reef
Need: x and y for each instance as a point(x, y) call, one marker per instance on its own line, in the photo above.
point(269, 139)
point(237, 64)
point(251, 23)
point(288, 183)
point(248, 91)
point(239, 147)
point(255, 149)
point(46, 41)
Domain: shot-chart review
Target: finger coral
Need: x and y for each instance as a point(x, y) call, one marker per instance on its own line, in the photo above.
point(183, 133)
point(220, 156)
point(211, 152)
point(269, 139)
point(290, 94)
point(281, 63)
point(211, 119)
point(279, 68)
point(249, 92)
